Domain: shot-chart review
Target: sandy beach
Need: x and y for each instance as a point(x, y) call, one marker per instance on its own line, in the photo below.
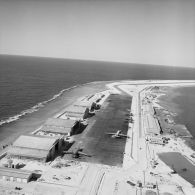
point(30, 122)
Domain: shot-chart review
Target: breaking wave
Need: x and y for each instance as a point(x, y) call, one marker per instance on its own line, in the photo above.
point(34, 108)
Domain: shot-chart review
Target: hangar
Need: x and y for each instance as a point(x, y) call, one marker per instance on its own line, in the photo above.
point(64, 127)
point(34, 147)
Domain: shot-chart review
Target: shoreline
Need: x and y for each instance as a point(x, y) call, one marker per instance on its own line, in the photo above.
point(30, 122)
point(179, 144)
point(39, 105)
point(167, 101)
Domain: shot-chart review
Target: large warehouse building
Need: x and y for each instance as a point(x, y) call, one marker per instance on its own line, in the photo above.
point(58, 126)
point(34, 147)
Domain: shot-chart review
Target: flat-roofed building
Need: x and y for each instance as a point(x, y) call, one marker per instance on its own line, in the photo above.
point(34, 147)
point(18, 175)
point(151, 124)
point(156, 140)
point(148, 109)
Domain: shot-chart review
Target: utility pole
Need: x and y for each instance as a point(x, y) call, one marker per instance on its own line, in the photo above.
point(144, 178)
point(157, 188)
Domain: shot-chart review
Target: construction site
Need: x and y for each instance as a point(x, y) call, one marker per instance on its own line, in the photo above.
point(104, 143)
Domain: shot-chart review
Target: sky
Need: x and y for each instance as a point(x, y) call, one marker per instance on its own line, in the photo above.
point(160, 32)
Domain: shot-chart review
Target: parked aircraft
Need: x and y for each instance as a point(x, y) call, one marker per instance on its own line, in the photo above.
point(77, 153)
point(118, 134)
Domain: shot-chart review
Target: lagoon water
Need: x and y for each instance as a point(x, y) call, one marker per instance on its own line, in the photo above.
point(25, 82)
point(181, 100)
point(180, 164)
point(186, 103)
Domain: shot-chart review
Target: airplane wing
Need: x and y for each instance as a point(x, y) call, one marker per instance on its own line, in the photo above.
point(123, 135)
point(66, 152)
point(84, 154)
point(108, 133)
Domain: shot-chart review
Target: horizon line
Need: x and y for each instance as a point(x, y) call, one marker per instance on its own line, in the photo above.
point(82, 59)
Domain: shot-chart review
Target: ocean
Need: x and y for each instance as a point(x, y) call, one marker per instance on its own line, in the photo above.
point(28, 83)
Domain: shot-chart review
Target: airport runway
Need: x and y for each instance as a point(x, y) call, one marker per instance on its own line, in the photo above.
point(104, 149)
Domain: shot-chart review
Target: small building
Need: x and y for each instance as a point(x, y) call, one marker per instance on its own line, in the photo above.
point(157, 140)
point(18, 175)
point(34, 147)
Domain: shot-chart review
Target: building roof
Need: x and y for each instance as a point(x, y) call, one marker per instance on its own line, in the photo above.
point(74, 115)
point(58, 122)
point(35, 142)
point(41, 132)
point(84, 104)
point(93, 98)
point(27, 152)
point(76, 109)
point(55, 129)
point(149, 109)
point(151, 124)
point(16, 173)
